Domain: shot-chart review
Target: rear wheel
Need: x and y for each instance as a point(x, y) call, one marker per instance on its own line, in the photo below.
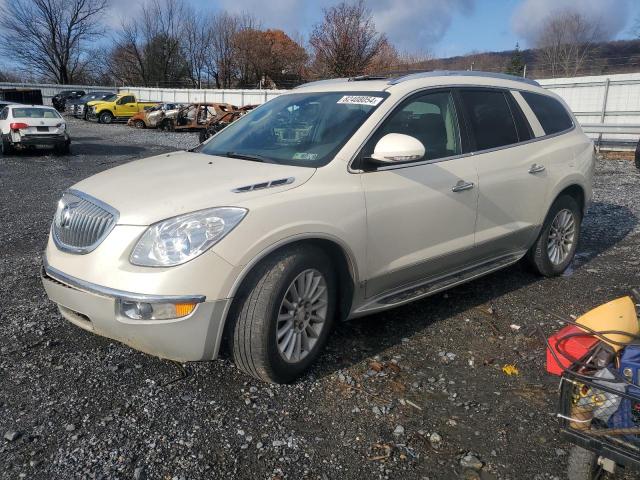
point(105, 117)
point(638, 155)
point(556, 244)
point(283, 315)
point(167, 126)
point(139, 124)
point(6, 147)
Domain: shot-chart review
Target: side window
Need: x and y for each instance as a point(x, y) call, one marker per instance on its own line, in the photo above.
point(125, 100)
point(429, 117)
point(4, 113)
point(551, 114)
point(490, 119)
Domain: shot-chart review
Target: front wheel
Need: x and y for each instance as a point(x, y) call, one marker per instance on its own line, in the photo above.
point(105, 117)
point(283, 315)
point(556, 244)
point(139, 124)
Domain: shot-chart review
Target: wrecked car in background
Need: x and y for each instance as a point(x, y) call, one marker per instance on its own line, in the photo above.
point(216, 124)
point(122, 107)
point(194, 116)
point(151, 117)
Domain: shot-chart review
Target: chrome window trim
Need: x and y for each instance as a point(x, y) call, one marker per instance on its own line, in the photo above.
point(418, 163)
point(84, 250)
point(89, 287)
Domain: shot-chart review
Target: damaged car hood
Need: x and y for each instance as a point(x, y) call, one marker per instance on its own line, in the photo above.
point(155, 188)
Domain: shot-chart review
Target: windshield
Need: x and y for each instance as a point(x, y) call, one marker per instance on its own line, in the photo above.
point(35, 113)
point(305, 129)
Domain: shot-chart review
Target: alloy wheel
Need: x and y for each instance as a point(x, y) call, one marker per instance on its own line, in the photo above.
point(562, 234)
point(302, 315)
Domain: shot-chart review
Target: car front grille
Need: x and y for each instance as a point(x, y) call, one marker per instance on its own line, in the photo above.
point(82, 222)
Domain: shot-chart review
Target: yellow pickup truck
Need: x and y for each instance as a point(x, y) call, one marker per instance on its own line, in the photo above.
point(122, 107)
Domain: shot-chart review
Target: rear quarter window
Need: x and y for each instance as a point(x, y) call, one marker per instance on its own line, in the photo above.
point(551, 114)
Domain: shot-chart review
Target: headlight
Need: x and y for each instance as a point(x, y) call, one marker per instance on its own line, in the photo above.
point(179, 239)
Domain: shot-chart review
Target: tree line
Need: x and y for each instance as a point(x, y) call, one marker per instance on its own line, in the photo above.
point(171, 43)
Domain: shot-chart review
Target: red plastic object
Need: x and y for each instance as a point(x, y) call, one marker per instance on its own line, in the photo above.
point(569, 344)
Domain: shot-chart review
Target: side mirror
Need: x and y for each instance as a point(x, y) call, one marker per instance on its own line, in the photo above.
point(396, 147)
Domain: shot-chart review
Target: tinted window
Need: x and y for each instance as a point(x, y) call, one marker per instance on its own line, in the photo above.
point(127, 99)
point(490, 118)
point(431, 118)
point(522, 124)
point(3, 113)
point(550, 112)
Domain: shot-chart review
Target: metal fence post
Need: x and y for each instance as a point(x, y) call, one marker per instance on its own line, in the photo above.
point(603, 111)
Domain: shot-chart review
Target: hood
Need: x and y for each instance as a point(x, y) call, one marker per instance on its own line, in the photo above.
point(94, 103)
point(149, 190)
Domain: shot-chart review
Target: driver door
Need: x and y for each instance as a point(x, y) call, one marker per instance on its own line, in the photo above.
point(126, 106)
point(420, 215)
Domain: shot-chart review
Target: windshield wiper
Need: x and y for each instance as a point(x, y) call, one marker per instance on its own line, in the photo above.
point(248, 156)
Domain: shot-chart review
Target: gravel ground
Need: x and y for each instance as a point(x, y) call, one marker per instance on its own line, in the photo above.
point(403, 394)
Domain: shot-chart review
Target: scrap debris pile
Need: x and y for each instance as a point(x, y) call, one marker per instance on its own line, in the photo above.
point(598, 357)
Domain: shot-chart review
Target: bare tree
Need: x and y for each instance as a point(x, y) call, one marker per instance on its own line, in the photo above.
point(346, 41)
point(566, 41)
point(148, 48)
point(196, 44)
point(51, 37)
point(221, 56)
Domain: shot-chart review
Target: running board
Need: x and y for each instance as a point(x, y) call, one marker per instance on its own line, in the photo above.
point(410, 293)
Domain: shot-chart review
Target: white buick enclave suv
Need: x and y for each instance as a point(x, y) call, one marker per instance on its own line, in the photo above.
point(338, 199)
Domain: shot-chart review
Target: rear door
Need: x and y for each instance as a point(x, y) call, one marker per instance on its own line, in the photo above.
point(420, 215)
point(512, 172)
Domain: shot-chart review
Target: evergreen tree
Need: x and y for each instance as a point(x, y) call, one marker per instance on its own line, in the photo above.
point(516, 64)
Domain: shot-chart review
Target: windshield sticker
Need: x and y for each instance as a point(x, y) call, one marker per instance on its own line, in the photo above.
point(305, 156)
point(360, 100)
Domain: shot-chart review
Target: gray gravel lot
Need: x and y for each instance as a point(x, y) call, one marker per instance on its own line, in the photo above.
point(403, 394)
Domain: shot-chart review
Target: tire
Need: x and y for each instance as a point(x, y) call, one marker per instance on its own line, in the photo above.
point(541, 256)
point(266, 293)
point(6, 147)
point(139, 124)
point(583, 465)
point(166, 126)
point(105, 117)
point(637, 155)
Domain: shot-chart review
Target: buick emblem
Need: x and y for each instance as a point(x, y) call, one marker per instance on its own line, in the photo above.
point(66, 214)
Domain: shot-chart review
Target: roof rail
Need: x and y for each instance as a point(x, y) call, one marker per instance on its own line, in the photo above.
point(319, 82)
point(360, 78)
point(461, 73)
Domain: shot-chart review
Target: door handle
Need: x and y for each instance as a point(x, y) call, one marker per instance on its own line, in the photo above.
point(461, 186)
point(535, 168)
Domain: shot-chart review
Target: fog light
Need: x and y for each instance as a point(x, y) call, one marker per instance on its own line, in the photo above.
point(154, 311)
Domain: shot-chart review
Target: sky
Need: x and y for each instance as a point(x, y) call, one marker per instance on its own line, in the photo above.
point(442, 27)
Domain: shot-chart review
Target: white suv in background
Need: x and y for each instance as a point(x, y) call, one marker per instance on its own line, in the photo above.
point(338, 199)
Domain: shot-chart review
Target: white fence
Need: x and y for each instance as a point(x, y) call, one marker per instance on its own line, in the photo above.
point(604, 99)
point(239, 98)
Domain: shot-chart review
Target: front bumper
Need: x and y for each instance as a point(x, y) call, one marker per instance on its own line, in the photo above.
point(94, 308)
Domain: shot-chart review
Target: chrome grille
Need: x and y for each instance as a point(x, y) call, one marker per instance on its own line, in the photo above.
point(81, 222)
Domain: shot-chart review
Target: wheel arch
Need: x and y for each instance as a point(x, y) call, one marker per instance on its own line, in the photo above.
point(339, 253)
point(576, 191)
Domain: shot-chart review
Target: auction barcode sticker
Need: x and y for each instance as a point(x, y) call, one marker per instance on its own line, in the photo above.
point(360, 100)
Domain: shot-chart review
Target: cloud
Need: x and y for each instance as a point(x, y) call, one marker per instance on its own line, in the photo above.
point(529, 18)
point(415, 25)
point(411, 25)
